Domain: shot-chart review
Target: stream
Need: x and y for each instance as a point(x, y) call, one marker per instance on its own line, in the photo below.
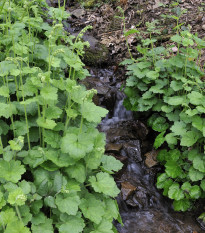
point(142, 207)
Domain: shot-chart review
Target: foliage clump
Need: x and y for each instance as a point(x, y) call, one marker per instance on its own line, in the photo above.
point(54, 176)
point(167, 84)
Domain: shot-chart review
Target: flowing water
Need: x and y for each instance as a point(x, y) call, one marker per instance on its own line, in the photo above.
point(142, 207)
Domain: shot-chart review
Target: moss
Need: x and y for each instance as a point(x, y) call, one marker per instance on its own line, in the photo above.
point(96, 56)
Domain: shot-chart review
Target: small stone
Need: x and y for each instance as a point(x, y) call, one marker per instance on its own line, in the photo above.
point(203, 27)
point(111, 147)
point(151, 158)
point(78, 13)
point(127, 189)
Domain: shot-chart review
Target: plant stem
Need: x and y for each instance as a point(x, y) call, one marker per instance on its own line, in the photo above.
point(1, 144)
point(2, 6)
point(18, 213)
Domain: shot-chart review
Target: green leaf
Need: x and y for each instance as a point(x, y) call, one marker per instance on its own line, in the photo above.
point(25, 186)
point(195, 192)
point(171, 139)
point(8, 216)
point(159, 124)
point(175, 100)
point(104, 227)
point(17, 144)
point(130, 32)
point(11, 171)
point(104, 183)
point(38, 219)
point(17, 197)
point(143, 65)
point(174, 155)
point(199, 123)
point(92, 208)
point(167, 108)
point(35, 157)
point(19, 127)
point(112, 210)
point(195, 175)
point(49, 93)
point(74, 224)
point(4, 128)
point(46, 123)
point(4, 91)
point(181, 205)
point(175, 192)
point(202, 185)
point(35, 208)
point(173, 169)
point(52, 138)
point(53, 112)
point(93, 113)
point(2, 201)
point(179, 128)
point(152, 75)
point(186, 186)
point(25, 214)
point(8, 154)
point(77, 145)
point(189, 138)
point(68, 203)
point(159, 140)
point(110, 164)
point(176, 38)
point(127, 62)
point(199, 163)
point(7, 110)
point(162, 155)
point(192, 154)
point(45, 227)
point(60, 159)
point(77, 172)
point(176, 85)
point(195, 98)
point(16, 227)
point(50, 202)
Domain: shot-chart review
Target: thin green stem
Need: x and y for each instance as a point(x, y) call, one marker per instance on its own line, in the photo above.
point(1, 8)
point(43, 130)
point(25, 111)
point(18, 213)
point(1, 144)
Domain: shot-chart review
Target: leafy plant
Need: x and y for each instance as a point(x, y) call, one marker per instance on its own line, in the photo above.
point(54, 176)
point(169, 87)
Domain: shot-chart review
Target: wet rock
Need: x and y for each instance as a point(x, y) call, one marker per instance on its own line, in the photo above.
point(78, 13)
point(116, 134)
point(151, 158)
point(97, 54)
point(122, 159)
point(109, 100)
point(126, 190)
point(156, 221)
point(132, 150)
point(140, 198)
point(141, 130)
point(115, 148)
point(91, 82)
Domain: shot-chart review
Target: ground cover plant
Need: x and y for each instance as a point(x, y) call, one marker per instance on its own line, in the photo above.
point(167, 85)
point(54, 176)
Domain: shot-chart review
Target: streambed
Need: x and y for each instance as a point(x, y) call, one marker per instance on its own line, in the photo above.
point(142, 207)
